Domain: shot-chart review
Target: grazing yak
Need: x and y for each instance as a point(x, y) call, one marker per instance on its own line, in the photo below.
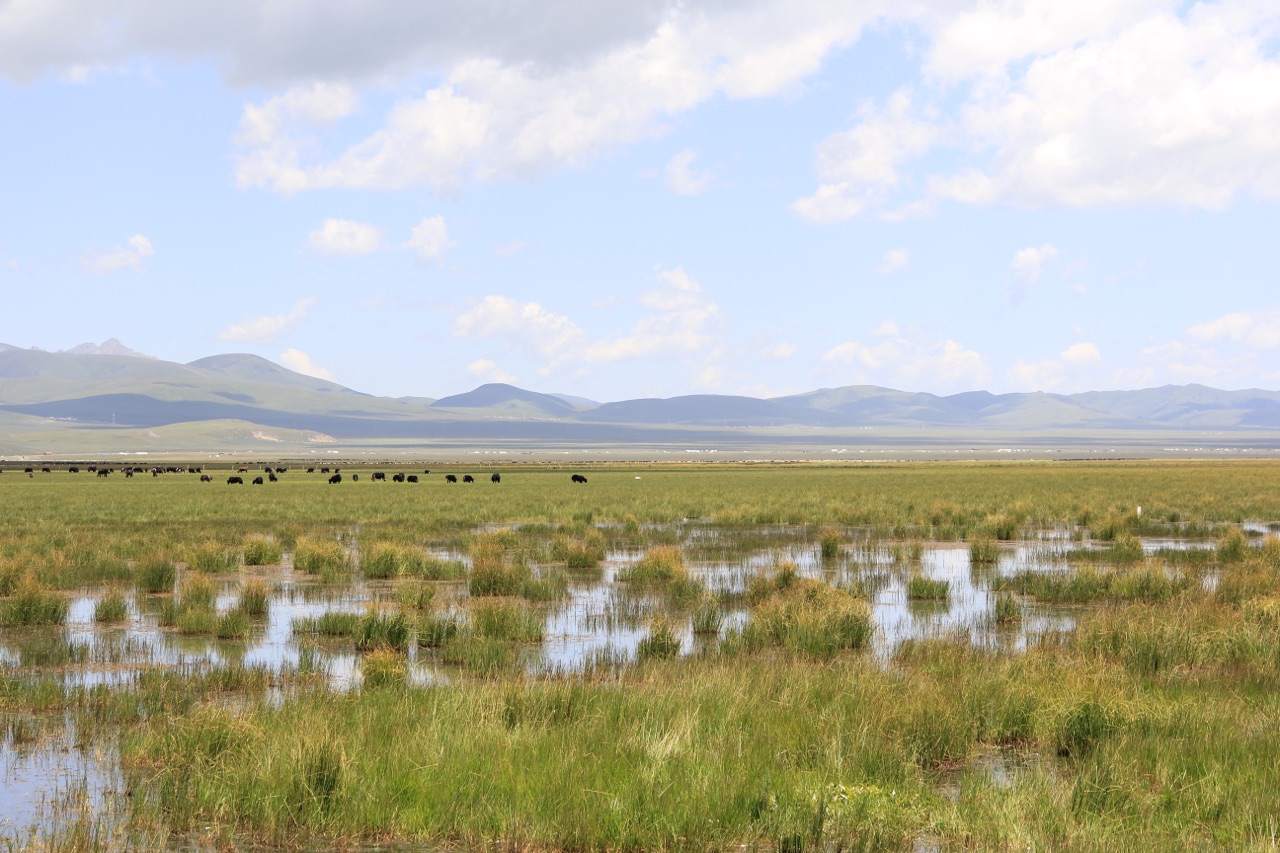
point(272, 477)
point(102, 472)
point(397, 478)
point(412, 478)
point(578, 478)
point(379, 475)
point(449, 478)
point(496, 478)
point(467, 478)
point(205, 478)
point(235, 481)
point(257, 481)
point(355, 478)
point(336, 478)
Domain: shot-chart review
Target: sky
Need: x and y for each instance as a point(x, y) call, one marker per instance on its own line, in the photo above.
point(646, 198)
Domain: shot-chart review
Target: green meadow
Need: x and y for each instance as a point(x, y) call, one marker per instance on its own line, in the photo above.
point(1122, 694)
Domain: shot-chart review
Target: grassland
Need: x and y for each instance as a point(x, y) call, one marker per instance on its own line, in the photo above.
point(1151, 723)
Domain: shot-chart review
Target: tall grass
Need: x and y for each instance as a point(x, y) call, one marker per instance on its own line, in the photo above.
point(319, 556)
point(661, 565)
point(32, 603)
point(262, 551)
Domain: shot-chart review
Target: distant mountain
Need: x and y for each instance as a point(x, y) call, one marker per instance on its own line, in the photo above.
point(502, 400)
point(111, 346)
point(252, 368)
point(50, 398)
point(576, 402)
point(711, 410)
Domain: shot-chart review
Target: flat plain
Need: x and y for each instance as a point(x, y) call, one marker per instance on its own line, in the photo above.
point(935, 656)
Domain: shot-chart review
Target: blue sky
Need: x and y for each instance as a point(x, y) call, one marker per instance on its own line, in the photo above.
point(651, 198)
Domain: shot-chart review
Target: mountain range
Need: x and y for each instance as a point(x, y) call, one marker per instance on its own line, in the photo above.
point(103, 387)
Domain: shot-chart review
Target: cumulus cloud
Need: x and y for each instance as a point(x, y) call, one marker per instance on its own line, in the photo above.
point(430, 238)
point(1256, 330)
point(265, 329)
point(1136, 102)
point(682, 179)
point(894, 259)
point(344, 237)
point(488, 370)
point(551, 338)
point(1077, 368)
point(908, 359)
point(491, 117)
point(127, 257)
point(861, 167)
point(301, 362)
point(680, 320)
point(780, 351)
point(1028, 263)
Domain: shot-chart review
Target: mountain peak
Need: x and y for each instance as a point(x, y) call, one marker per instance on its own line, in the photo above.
point(111, 346)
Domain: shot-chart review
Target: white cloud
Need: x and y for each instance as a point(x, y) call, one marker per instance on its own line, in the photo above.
point(488, 370)
point(121, 257)
point(1077, 368)
point(266, 328)
point(344, 237)
point(780, 351)
point(681, 179)
point(894, 259)
point(301, 362)
point(274, 136)
point(552, 338)
point(492, 117)
point(680, 320)
point(1256, 330)
point(1028, 263)
point(1091, 104)
point(908, 359)
point(861, 167)
point(430, 238)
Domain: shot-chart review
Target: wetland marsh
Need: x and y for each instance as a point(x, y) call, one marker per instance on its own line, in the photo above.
point(930, 657)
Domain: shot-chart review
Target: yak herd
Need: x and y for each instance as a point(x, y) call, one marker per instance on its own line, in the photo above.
point(271, 474)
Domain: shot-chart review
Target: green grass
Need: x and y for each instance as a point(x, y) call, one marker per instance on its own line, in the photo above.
point(262, 551)
point(659, 566)
point(318, 556)
point(157, 575)
point(1147, 723)
point(921, 588)
point(112, 607)
point(31, 603)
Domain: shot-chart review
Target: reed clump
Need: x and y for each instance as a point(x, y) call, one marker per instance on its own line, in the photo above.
point(810, 618)
point(494, 572)
point(384, 668)
point(255, 597)
point(661, 565)
point(112, 607)
point(393, 560)
point(378, 630)
point(157, 575)
point(983, 551)
point(32, 603)
point(829, 545)
point(921, 588)
point(510, 620)
point(213, 556)
point(319, 556)
point(260, 550)
point(660, 643)
point(584, 552)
